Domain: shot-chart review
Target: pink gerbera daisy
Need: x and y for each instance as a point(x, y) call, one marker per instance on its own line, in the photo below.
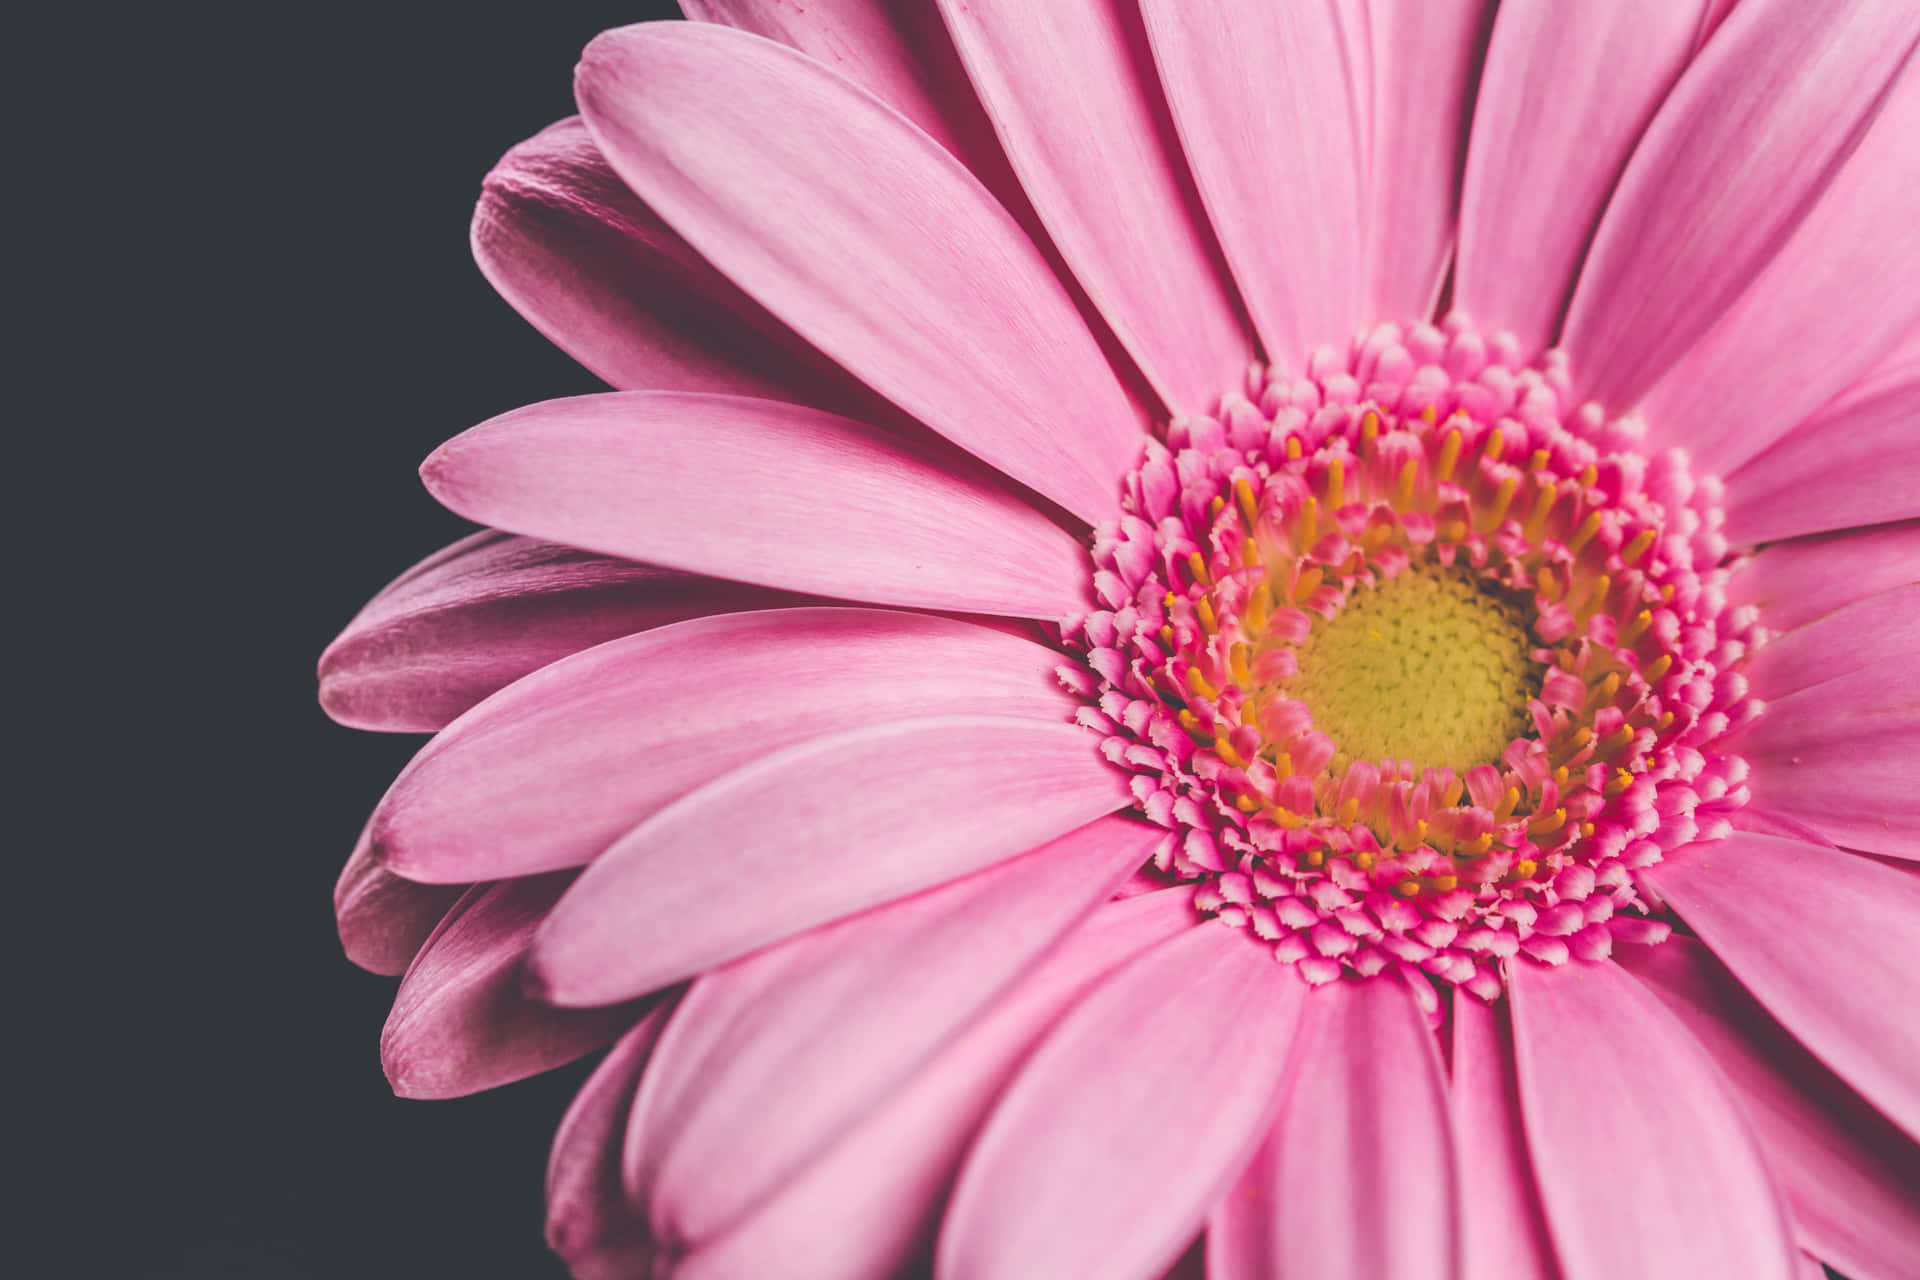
point(1271, 639)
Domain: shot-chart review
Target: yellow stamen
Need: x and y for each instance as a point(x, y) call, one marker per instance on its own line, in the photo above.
point(1590, 476)
point(1584, 534)
point(1336, 484)
point(1539, 460)
point(1349, 811)
point(1524, 869)
point(1449, 455)
point(1638, 547)
point(1237, 662)
point(1658, 668)
point(1249, 505)
point(1307, 583)
point(1635, 628)
point(1309, 522)
point(1209, 622)
point(1197, 566)
point(1537, 518)
point(1218, 505)
point(1496, 445)
point(1508, 803)
point(1369, 429)
point(1619, 783)
point(1429, 415)
point(1403, 492)
point(1201, 685)
point(1497, 509)
point(1293, 448)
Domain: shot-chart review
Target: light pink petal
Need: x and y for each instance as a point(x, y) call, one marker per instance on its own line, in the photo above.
point(1426, 59)
point(1851, 1179)
point(1736, 158)
point(1072, 91)
point(1854, 262)
point(761, 492)
point(384, 920)
point(1568, 88)
point(462, 1021)
point(1646, 1166)
point(1269, 103)
point(477, 616)
point(774, 1056)
point(1855, 462)
point(902, 267)
point(812, 833)
point(1358, 1175)
point(1877, 629)
point(1104, 1156)
point(1825, 940)
point(1840, 757)
point(552, 770)
point(590, 1222)
point(868, 1207)
point(1503, 1234)
point(574, 251)
point(1792, 583)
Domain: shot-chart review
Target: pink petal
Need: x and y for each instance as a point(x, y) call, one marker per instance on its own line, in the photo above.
point(1425, 61)
point(761, 492)
point(1645, 1164)
point(774, 1056)
point(574, 251)
point(590, 1223)
point(902, 267)
point(384, 920)
point(867, 1208)
point(1072, 92)
point(1878, 629)
point(461, 1021)
point(1502, 1230)
point(1854, 262)
point(1839, 757)
point(1851, 1179)
point(477, 616)
point(1357, 1178)
point(812, 833)
point(549, 772)
point(1151, 1093)
point(1855, 462)
point(1843, 984)
point(1566, 92)
point(1795, 582)
point(1272, 122)
point(1737, 156)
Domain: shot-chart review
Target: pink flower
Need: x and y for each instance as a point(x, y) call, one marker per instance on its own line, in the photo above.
point(1160, 662)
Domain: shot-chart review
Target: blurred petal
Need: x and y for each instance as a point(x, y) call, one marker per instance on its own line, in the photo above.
point(384, 920)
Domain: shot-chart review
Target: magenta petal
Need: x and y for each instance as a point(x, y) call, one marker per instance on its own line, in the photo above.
point(761, 492)
point(813, 833)
point(1567, 88)
point(1877, 629)
point(1792, 583)
point(549, 772)
point(1503, 1234)
point(867, 1208)
point(1644, 1162)
point(1734, 161)
point(590, 1222)
point(462, 1021)
point(1851, 1179)
point(902, 267)
point(1358, 1176)
point(772, 1057)
point(384, 920)
point(1152, 1092)
point(1844, 987)
point(477, 616)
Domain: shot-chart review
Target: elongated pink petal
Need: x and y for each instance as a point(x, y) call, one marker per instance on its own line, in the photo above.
point(1503, 1234)
point(868, 1207)
point(1851, 1179)
point(1269, 111)
point(590, 1222)
point(1877, 629)
point(1844, 986)
point(472, 619)
point(1072, 91)
point(812, 833)
point(462, 1022)
point(1792, 583)
point(1153, 1092)
point(776, 1055)
point(1855, 262)
point(1855, 462)
point(384, 920)
point(1740, 152)
point(762, 492)
point(1839, 757)
point(1566, 92)
point(552, 770)
point(574, 251)
point(1426, 59)
point(1644, 1162)
point(1358, 1177)
point(902, 267)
